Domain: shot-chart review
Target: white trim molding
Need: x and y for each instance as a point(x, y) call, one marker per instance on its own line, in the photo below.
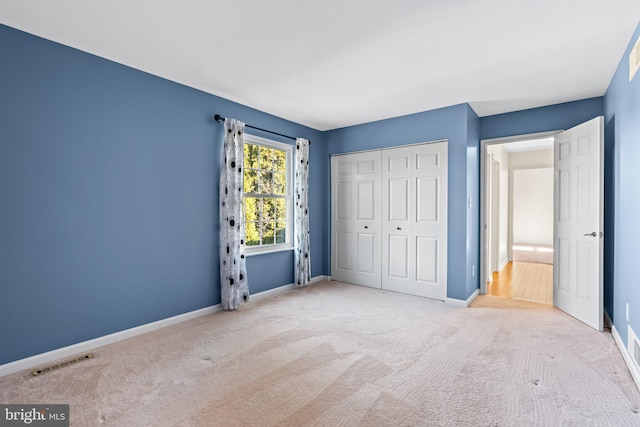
point(463, 303)
point(320, 279)
point(86, 346)
point(282, 289)
point(633, 369)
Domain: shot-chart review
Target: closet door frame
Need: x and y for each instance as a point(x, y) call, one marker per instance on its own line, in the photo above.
point(351, 228)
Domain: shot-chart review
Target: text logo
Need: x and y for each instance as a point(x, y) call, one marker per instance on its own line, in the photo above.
point(34, 415)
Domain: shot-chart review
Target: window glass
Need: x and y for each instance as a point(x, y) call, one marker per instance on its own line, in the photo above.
point(267, 202)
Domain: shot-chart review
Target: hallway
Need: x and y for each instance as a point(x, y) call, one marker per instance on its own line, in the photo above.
point(523, 281)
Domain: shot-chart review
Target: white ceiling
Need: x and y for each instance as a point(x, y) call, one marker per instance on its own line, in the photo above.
point(334, 63)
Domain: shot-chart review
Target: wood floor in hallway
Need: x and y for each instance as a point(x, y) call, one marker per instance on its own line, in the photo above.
point(524, 281)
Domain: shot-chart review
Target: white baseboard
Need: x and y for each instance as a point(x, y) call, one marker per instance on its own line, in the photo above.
point(633, 369)
point(504, 264)
point(283, 289)
point(320, 279)
point(463, 303)
point(271, 292)
point(86, 346)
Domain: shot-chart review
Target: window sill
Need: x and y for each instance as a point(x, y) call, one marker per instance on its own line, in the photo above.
point(263, 251)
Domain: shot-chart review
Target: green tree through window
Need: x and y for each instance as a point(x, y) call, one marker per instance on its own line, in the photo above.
point(266, 196)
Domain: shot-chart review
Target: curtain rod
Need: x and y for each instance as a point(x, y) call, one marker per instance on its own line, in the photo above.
point(218, 118)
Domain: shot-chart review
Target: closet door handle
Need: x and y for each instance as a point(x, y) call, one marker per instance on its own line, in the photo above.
point(399, 229)
point(366, 226)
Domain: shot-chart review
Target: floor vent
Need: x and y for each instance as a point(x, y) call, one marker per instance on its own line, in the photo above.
point(634, 59)
point(61, 364)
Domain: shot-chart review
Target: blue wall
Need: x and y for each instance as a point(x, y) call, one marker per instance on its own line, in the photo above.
point(542, 119)
point(108, 206)
point(622, 143)
point(459, 125)
point(473, 202)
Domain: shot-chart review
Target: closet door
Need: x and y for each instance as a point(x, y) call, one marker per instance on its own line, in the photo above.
point(355, 218)
point(414, 222)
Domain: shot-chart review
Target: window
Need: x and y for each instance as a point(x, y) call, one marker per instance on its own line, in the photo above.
point(267, 194)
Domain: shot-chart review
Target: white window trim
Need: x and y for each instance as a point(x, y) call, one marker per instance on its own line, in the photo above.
point(288, 245)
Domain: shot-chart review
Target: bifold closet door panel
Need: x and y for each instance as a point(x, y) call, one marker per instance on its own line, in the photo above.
point(414, 220)
point(356, 218)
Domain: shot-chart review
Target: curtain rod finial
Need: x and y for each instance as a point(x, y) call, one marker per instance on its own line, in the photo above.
point(218, 118)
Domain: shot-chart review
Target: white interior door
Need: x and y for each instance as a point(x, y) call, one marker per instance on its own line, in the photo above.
point(578, 207)
point(414, 220)
point(355, 225)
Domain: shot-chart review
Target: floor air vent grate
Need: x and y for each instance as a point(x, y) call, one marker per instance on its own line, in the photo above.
point(61, 364)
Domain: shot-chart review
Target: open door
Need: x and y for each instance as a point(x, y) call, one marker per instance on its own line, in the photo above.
point(578, 220)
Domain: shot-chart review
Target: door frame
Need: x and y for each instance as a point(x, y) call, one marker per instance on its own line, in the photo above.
point(381, 149)
point(492, 214)
point(495, 215)
point(484, 143)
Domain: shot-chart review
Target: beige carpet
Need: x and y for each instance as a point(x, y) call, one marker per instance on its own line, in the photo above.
point(344, 355)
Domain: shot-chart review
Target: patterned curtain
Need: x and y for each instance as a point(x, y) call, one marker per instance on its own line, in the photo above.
point(302, 248)
point(233, 270)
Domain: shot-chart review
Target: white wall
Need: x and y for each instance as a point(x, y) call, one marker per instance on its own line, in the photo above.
point(532, 159)
point(532, 197)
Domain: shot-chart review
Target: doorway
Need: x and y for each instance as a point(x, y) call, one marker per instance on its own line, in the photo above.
point(578, 217)
point(518, 216)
